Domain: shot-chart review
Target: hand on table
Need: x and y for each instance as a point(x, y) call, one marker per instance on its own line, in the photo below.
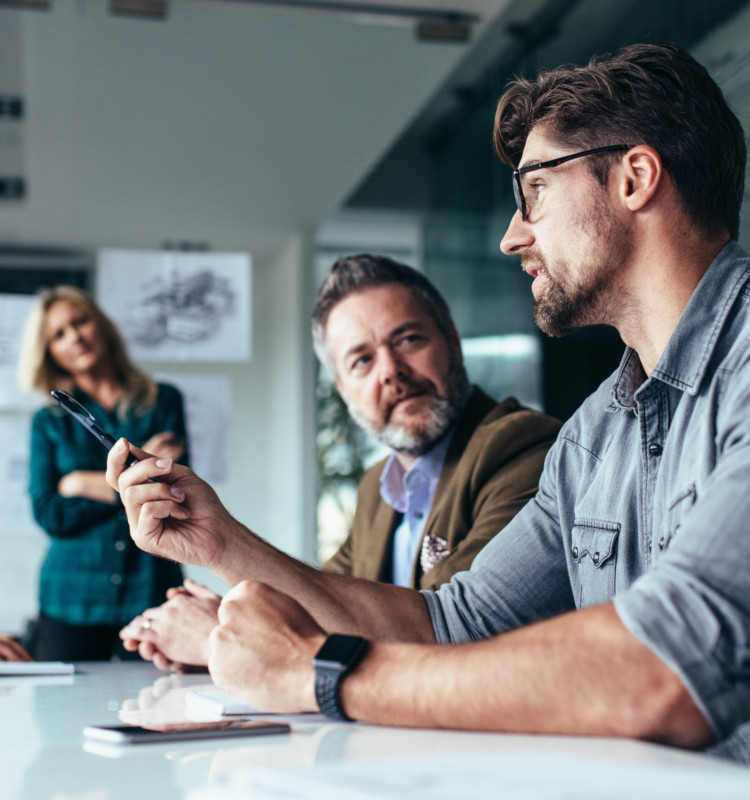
point(10, 650)
point(262, 648)
point(175, 635)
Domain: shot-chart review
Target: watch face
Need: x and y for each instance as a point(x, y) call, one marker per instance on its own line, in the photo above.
point(339, 649)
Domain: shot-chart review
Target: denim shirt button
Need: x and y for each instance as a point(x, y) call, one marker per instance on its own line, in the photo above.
point(661, 543)
point(575, 552)
point(596, 558)
point(654, 449)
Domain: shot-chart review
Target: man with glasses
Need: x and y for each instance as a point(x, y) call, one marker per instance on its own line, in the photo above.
point(617, 602)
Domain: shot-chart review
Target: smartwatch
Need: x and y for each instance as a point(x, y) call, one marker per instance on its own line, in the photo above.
point(338, 656)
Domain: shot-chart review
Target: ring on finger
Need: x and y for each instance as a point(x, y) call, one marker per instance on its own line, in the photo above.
point(148, 623)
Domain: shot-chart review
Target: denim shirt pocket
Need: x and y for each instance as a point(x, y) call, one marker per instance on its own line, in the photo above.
point(594, 550)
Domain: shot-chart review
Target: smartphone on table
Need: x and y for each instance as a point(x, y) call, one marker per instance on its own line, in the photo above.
point(184, 731)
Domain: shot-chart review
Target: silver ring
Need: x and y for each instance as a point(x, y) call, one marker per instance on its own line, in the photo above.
point(148, 623)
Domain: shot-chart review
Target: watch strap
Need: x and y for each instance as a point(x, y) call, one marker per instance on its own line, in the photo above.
point(338, 656)
point(327, 693)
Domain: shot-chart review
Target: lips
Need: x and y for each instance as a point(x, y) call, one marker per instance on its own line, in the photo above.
point(399, 393)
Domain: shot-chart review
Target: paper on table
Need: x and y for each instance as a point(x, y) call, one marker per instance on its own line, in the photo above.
point(221, 703)
point(35, 668)
point(201, 706)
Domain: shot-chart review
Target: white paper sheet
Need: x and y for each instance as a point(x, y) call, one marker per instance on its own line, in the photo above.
point(14, 309)
point(207, 401)
point(174, 306)
point(35, 668)
point(14, 477)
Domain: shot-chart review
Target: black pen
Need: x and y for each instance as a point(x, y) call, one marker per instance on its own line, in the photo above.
point(84, 417)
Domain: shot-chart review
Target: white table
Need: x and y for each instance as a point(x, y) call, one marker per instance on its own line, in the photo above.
point(43, 754)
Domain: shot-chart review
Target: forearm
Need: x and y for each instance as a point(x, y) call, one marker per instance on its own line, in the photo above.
point(580, 674)
point(339, 603)
point(89, 484)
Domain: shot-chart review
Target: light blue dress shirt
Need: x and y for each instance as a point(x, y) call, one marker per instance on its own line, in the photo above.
point(411, 493)
point(645, 502)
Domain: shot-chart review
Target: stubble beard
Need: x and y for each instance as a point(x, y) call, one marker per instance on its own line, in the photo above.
point(438, 419)
point(594, 298)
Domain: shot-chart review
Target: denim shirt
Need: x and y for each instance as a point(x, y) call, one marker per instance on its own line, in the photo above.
point(644, 502)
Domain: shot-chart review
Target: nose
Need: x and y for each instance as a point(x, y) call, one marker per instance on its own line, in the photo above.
point(390, 366)
point(518, 237)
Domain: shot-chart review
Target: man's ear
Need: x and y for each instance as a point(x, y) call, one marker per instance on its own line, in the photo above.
point(641, 175)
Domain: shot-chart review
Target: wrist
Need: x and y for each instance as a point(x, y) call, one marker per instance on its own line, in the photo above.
point(231, 559)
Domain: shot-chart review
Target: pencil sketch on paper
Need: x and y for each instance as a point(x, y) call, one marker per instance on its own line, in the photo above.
point(14, 309)
point(186, 310)
point(178, 306)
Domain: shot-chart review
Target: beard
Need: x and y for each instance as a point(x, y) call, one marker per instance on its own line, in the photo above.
point(442, 413)
point(567, 301)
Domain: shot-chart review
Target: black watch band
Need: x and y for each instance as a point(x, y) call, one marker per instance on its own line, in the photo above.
point(338, 656)
point(327, 694)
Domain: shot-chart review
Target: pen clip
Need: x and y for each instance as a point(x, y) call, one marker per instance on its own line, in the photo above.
point(86, 418)
point(72, 406)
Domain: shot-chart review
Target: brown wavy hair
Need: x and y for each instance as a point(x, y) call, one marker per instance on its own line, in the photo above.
point(655, 94)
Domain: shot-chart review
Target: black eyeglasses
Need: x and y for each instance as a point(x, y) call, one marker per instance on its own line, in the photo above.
point(555, 162)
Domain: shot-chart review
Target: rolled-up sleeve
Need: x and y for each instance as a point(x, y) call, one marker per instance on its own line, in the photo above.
point(520, 577)
point(693, 608)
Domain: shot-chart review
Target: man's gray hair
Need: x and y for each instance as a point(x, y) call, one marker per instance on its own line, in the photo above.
point(356, 273)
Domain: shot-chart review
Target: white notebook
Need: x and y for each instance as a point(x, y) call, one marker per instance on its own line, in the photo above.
point(35, 668)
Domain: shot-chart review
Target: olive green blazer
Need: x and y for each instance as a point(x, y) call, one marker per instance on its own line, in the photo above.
point(491, 471)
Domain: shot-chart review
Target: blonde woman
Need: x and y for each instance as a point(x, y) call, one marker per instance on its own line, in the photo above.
point(93, 579)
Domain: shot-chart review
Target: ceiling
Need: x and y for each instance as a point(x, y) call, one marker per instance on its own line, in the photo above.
point(231, 123)
point(526, 35)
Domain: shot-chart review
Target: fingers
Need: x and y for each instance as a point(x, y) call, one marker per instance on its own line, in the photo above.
point(141, 628)
point(160, 661)
point(199, 590)
point(148, 651)
point(119, 476)
point(10, 650)
point(148, 505)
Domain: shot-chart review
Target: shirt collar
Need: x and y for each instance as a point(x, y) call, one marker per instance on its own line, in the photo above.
point(686, 357)
point(393, 476)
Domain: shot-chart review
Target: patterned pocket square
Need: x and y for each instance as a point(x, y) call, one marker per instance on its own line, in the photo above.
point(434, 550)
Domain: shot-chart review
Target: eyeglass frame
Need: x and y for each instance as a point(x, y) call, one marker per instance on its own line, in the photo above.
point(555, 162)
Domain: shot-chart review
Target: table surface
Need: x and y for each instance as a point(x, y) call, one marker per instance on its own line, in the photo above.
point(43, 753)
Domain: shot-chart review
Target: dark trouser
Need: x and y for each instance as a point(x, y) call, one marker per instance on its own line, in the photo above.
point(58, 641)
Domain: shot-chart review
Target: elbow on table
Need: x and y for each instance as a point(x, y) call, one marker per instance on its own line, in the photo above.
point(668, 714)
